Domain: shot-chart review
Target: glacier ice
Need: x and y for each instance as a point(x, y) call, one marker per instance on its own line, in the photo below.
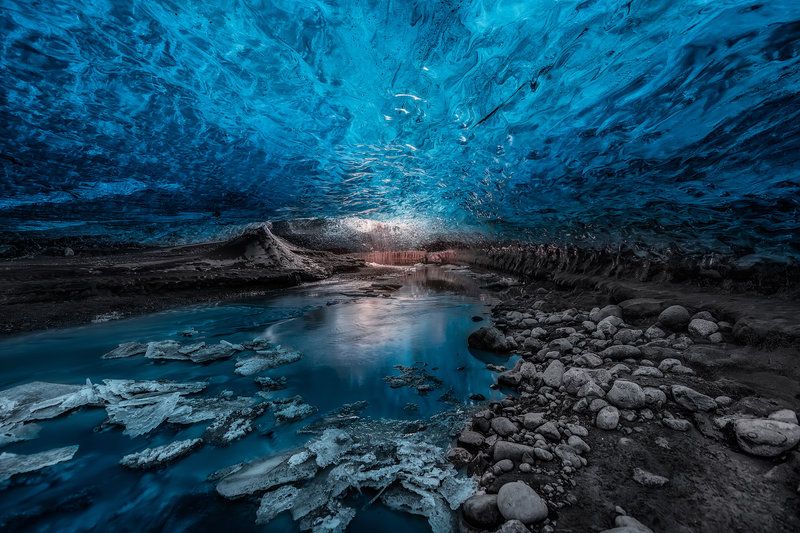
point(573, 120)
point(407, 470)
point(12, 464)
point(265, 360)
point(160, 455)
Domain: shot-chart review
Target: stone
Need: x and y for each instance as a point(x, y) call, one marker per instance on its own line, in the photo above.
point(542, 454)
point(574, 379)
point(589, 360)
point(702, 328)
point(489, 339)
point(654, 397)
point(628, 336)
point(692, 400)
point(716, 338)
point(723, 401)
point(610, 310)
point(628, 524)
point(481, 510)
point(569, 456)
point(641, 307)
point(532, 421)
point(654, 332)
point(578, 444)
point(513, 526)
point(626, 394)
point(510, 450)
point(674, 318)
point(621, 351)
point(648, 371)
point(590, 390)
point(470, 439)
point(607, 418)
point(503, 426)
point(765, 437)
point(517, 501)
point(459, 456)
point(677, 424)
point(554, 374)
point(703, 315)
point(505, 465)
point(784, 415)
point(648, 479)
point(549, 430)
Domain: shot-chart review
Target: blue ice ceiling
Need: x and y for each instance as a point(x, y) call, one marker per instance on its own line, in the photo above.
point(594, 122)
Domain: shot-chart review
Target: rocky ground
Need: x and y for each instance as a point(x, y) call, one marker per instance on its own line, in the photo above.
point(641, 409)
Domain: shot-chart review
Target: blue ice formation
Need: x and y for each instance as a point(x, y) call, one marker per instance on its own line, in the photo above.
point(586, 121)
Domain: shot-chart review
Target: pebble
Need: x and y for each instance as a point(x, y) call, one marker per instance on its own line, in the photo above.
point(692, 400)
point(607, 418)
point(503, 426)
point(648, 479)
point(626, 394)
point(554, 374)
point(481, 510)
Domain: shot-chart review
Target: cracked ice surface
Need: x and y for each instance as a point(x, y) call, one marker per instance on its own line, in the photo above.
point(407, 469)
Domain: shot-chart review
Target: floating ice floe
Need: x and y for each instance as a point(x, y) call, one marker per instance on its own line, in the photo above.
point(408, 471)
point(12, 464)
point(414, 377)
point(291, 409)
point(126, 349)
point(265, 360)
point(160, 455)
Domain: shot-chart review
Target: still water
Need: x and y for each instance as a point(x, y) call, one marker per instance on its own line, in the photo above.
point(350, 340)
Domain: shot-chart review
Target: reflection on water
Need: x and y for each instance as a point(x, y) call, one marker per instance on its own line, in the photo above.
point(350, 343)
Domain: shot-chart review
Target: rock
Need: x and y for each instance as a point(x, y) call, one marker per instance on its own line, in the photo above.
point(549, 431)
point(489, 339)
point(784, 415)
point(127, 349)
point(628, 524)
point(12, 464)
point(527, 370)
point(692, 400)
point(569, 456)
point(649, 480)
point(626, 394)
point(621, 351)
point(542, 454)
point(517, 501)
point(589, 360)
point(702, 328)
point(641, 307)
point(554, 374)
point(459, 456)
point(503, 426)
point(68, 252)
point(675, 318)
point(532, 421)
point(513, 526)
point(506, 465)
point(703, 315)
point(610, 310)
point(470, 439)
point(654, 332)
point(648, 371)
point(654, 397)
point(590, 390)
point(607, 418)
point(510, 450)
point(578, 444)
point(765, 437)
point(723, 401)
point(677, 424)
point(574, 379)
point(160, 455)
point(716, 338)
point(481, 510)
point(561, 346)
point(628, 336)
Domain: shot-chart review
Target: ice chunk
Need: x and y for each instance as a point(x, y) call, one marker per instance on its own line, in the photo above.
point(202, 409)
point(265, 474)
point(163, 350)
point(292, 409)
point(12, 464)
point(235, 425)
point(161, 455)
point(40, 400)
point(126, 349)
point(275, 502)
point(332, 518)
point(17, 432)
point(271, 384)
point(142, 415)
point(331, 446)
point(264, 360)
point(116, 390)
point(214, 352)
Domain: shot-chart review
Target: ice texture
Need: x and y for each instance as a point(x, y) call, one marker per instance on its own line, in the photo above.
point(583, 121)
point(160, 455)
point(407, 470)
point(12, 464)
point(266, 359)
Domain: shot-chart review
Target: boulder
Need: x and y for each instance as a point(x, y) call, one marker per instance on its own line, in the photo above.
point(675, 318)
point(554, 374)
point(481, 510)
point(607, 418)
point(511, 450)
point(626, 394)
point(702, 328)
point(517, 501)
point(489, 339)
point(503, 426)
point(692, 400)
point(766, 438)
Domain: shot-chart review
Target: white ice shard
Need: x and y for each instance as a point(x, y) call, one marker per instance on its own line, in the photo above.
point(12, 464)
point(142, 415)
point(291, 409)
point(275, 502)
point(265, 474)
point(160, 455)
point(126, 349)
point(265, 360)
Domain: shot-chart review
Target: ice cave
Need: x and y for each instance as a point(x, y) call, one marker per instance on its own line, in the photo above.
point(512, 266)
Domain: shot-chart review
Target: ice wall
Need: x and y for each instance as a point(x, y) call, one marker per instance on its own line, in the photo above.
point(584, 121)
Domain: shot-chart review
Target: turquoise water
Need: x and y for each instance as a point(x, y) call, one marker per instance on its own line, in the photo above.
point(349, 344)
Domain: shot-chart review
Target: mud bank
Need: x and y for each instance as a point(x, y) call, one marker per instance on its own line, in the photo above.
point(46, 292)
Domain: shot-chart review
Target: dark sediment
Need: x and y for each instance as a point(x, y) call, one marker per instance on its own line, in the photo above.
point(44, 292)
